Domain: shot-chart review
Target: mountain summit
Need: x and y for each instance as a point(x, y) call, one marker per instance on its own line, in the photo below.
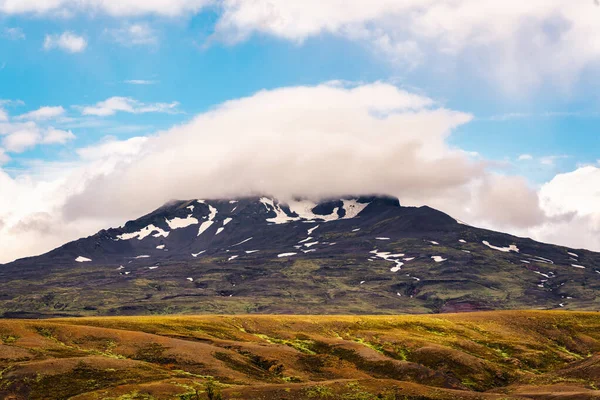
point(361, 254)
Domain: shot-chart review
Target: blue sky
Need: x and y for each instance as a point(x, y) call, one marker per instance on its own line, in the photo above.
point(185, 65)
point(97, 74)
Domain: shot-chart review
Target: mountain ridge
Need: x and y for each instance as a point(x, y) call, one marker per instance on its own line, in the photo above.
point(355, 254)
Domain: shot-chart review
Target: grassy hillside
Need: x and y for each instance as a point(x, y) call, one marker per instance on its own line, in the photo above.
point(487, 355)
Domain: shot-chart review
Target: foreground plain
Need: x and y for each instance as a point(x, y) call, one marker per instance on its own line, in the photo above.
point(485, 355)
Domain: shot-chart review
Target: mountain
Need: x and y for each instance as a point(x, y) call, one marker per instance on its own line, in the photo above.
point(363, 255)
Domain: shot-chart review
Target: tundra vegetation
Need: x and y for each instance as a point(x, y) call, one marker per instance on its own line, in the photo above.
point(483, 355)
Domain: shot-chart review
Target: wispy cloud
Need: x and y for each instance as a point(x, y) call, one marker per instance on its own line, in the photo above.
point(13, 33)
point(67, 41)
point(42, 113)
point(141, 82)
point(551, 160)
point(545, 114)
point(140, 34)
point(116, 104)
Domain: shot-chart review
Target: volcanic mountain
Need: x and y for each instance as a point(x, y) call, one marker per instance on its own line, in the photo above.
point(361, 254)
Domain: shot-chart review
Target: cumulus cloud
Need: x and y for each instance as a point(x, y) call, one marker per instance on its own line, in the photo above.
point(42, 113)
point(67, 41)
point(57, 136)
point(20, 140)
point(20, 136)
point(116, 104)
point(576, 194)
point(518, 44)
point(318, 141)
point(313, 141)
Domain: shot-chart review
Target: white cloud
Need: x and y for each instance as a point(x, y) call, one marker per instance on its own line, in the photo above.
point(20, 136)
point(21, 140)
point(550, 161)
point(323, 140)
point(3, 115)
point(57, 136)
point(4, 158)
point(140, 34)
point(126, 104)
point(67, 41)
point(525, 157)
point(42, 113)
point(13, 33)
point(519, 45)
point(313, 140)
point(575, 194)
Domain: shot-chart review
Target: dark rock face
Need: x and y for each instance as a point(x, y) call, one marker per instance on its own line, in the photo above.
point(357, 254)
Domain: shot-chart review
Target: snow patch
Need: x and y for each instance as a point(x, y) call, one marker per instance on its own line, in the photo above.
point(382, 238)
point(226, 221)
point(190, 279)
point(434, 242)
point(353, 208)
point(311, 230)
point(197, 254)
point(177, 223)
point(286, 255)
point(462, 241)
point(510, 248)
point(143, 256)
point(211, 216)
point(577, 266)
point(438, 259)
point(251, 251)
point(232, 258)
point(242, 242)
point(356, 230)
point(386, 255)
point(304, 210)
point(573, 254)
point(219, 230)
point(160, 246)
point(82, 259)
point(144, 232)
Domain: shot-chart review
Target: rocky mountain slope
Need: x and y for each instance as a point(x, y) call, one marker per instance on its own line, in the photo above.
point(350, 255)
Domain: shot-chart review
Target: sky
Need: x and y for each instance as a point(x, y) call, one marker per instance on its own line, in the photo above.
point(487, 110)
